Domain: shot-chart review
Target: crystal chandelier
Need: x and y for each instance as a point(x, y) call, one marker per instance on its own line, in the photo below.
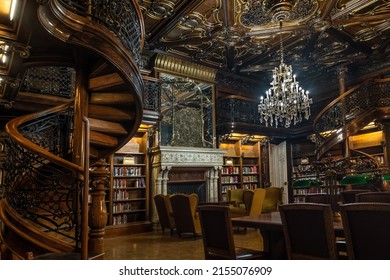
point(285, 102)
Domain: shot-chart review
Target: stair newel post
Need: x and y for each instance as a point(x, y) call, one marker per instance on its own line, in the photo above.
point(99, 184)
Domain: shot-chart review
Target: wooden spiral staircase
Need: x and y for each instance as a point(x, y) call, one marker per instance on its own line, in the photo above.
point(363, 103)
point(45, 211)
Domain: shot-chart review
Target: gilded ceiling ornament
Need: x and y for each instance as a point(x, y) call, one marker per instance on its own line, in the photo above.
point(259, 13)
point(157, 9)
point(229, 36)
point(7, 104)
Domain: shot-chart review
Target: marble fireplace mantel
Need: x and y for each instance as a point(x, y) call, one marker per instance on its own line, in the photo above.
point(164, 158)
point(169, 156)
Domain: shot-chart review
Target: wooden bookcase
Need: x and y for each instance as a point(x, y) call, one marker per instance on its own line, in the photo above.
point(241, 168)
point(128, 196)
point(303, 158)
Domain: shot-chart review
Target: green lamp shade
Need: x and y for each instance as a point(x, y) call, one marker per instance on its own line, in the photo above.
point(386, 177)
point(358, 179)
point(306, 183)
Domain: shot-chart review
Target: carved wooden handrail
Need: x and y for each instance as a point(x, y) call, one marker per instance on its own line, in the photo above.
point(12, 130)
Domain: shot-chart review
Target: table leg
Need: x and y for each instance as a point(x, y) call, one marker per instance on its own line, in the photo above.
point(273, 244)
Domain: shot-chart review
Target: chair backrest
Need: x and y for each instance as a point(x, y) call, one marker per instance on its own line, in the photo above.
point(382, 197)
point(367, 230)
point(247, 197)
point(321, 198)
point(164, 211)
point(308, 231)
point(236, 196)
point(349, 196)
point(257, 201)
point(272, 200)
point(217, 232)
point(184, 212)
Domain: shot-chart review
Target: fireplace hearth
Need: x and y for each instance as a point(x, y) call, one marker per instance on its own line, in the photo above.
point(184, 169)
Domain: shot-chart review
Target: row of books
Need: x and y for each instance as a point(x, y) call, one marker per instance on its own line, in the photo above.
point(127, 218)
point(230, 170)
point(126, 206)
point(320, 190)
point(230, 179)
point(228, 187)
point(127, 171)
point(126, 183)
point(249, 178)
point(126, 194)
point(249, 170)
point(249, 186)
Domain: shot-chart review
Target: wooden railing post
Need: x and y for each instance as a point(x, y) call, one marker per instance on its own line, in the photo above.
point(99, 183)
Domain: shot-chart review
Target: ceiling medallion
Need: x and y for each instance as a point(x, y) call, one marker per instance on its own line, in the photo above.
point(281, 11)
point(259, 13)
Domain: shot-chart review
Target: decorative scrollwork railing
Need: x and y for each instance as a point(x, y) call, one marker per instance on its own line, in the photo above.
point(347, 107)
point(39, 183)
point(51, 80)
point(122, 17)
point(358, 163)
point(237, 109)
point(359, 100)
point(152, 95)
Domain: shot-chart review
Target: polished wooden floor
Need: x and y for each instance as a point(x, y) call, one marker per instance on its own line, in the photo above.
point(157, 246)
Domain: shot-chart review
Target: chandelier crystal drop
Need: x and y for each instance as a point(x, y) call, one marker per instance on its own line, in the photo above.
point(285, 102)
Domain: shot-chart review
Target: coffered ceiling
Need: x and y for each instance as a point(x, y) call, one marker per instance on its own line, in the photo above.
point(243, 36)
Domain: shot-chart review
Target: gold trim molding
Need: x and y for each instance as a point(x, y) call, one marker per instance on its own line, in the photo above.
point(173, 65)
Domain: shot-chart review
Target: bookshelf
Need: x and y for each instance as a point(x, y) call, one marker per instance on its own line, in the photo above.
point(241, 168)
point(128, 196)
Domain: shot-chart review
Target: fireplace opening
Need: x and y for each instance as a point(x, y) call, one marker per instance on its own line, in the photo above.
point(188, 188)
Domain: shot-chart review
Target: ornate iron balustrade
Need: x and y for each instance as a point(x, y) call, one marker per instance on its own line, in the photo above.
point(349, 106)
point(233, 109)
point(152, 96)
point(359, 163)
point(119, 16)
point(39, 189)
point(52, 80)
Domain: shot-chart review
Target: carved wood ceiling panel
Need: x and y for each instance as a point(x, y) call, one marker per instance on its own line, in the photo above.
point(243, 36)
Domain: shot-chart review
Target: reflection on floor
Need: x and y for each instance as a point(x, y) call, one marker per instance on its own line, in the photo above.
point(157, 246)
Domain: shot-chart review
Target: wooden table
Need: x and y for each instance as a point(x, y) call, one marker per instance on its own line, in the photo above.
point(270, 226)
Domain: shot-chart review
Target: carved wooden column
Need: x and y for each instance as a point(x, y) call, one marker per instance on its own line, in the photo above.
point(342, 71)
point(99, 183)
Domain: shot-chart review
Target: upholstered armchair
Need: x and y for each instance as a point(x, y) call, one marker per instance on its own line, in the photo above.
point(164, 211)
point(184, 207)
point(238, 208)
point(273, 199)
